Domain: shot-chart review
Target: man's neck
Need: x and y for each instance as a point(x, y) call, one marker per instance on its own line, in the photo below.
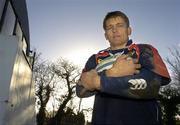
point(118, 47)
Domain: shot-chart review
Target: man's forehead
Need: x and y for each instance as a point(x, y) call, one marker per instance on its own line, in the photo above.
point(116, 19)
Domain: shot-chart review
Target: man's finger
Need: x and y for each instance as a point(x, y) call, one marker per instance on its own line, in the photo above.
point(137, 71)
point(138, 66)
point(92, 71)
point(129, 58)
point(122, 57)
point(79, 82)
point(135, 60)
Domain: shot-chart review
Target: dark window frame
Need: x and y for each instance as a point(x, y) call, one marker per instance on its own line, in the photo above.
point(8, 4)
point(3, 14)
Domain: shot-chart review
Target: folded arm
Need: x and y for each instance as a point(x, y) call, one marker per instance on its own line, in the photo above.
point(125, 79)
point(89, 83)
point(144, 85)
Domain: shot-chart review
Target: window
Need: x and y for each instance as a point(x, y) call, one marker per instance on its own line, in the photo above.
point(18, 31)
point(2, 2)
point(24, 45)
point(9, 21)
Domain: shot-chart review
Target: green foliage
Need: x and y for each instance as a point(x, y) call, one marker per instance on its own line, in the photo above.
point(70, 118)
point(170, 94)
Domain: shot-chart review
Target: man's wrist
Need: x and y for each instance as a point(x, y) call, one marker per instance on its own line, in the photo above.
point(110, 72)
point(97, 82)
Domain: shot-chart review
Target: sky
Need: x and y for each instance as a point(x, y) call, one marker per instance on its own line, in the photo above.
point(72, 29)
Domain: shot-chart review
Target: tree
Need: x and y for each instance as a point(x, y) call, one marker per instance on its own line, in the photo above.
point(55, 82)
point(170, 95)
point(70, 118)
point(68, 75)
point(43, 77)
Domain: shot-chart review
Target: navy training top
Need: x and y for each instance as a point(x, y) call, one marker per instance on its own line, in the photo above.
point(117, 102)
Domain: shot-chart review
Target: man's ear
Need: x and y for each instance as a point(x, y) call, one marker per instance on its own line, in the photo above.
point(129, 30)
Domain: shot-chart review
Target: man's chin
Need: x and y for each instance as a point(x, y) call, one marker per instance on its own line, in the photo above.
point(118, 44)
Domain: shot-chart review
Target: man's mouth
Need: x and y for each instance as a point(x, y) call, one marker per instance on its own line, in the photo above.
point(116, 36)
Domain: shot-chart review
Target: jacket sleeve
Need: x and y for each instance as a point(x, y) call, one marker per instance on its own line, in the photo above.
point(80, 90)
point(144, 85)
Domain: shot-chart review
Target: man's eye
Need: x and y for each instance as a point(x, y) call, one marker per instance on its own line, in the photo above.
point(120, 25)
point(109, 27)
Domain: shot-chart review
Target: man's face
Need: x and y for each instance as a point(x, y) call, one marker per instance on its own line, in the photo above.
point(117, 32)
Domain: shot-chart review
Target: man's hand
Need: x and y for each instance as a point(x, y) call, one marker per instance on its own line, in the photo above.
point(124, 66)
point(90, 80)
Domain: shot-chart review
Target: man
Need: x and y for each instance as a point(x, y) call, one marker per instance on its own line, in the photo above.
point(125, 78)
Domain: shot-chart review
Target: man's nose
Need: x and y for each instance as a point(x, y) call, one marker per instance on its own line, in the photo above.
point(114, 28)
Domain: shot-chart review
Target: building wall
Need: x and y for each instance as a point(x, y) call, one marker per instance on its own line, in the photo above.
point(17, 96)
point(20, 95)
point(7, 58)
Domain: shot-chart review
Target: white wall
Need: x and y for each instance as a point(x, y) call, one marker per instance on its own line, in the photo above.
point(15, 84)
point(7, 58)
